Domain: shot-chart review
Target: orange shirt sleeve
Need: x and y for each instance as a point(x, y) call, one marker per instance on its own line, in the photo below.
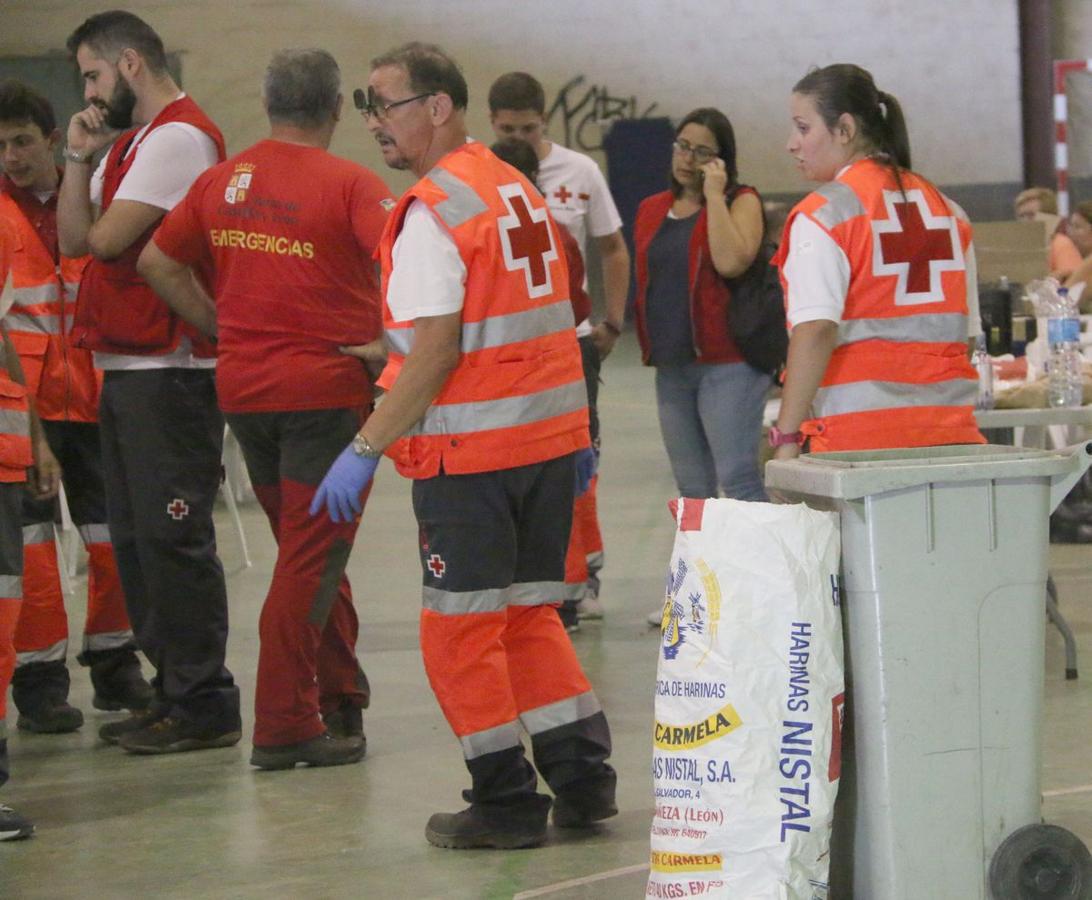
point(181, 234)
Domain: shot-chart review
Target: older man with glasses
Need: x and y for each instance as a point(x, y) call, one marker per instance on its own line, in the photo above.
point(486, 411)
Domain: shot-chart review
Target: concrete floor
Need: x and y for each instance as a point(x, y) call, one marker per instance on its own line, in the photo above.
point(206, 825)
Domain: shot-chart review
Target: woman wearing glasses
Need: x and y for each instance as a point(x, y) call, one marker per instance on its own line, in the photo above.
point(707, 227)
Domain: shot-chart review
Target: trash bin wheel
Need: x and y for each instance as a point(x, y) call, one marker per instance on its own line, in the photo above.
point(1041, 862)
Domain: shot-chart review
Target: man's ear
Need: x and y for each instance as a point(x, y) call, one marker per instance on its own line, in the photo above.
point(441, 108)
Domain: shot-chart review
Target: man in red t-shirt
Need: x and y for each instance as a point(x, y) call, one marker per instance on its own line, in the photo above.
point(283, 235)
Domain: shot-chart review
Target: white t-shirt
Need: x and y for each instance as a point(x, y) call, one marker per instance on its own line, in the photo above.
point(578, 197)
point(577, 194)
point(817, 274)
point(428, 276)
point(168, 162)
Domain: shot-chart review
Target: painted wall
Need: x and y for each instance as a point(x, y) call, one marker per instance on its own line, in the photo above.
point(627, 57)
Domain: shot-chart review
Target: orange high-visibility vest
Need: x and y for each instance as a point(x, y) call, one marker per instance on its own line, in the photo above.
point(899, 375)
point(61, 377)
point(15, 453)
point(517, 395)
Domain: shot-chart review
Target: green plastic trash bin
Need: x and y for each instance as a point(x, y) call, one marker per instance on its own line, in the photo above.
point(944, 562)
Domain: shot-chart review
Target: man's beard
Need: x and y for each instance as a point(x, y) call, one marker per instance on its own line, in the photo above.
point(119, 110)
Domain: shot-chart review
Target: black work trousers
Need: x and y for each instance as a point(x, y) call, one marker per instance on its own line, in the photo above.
point(162, 436)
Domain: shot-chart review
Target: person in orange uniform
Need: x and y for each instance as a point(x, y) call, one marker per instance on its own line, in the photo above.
point(162, 432)
point(878, 269)
point(65, 385)
point(486, 411)
point(26, 464)
point(287, 233)
point(521, 155)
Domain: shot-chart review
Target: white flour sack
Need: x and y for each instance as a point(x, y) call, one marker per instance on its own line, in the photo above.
point(749, 694)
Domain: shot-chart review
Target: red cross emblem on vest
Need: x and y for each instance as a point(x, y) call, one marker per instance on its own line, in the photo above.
point(915, 246)
point(526, 240)
point(563, 194)
point(178, 509)
point(437, 565)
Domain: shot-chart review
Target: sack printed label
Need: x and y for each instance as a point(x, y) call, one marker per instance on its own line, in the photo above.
point(693, 618)
point(686, 862)
point(686, 737)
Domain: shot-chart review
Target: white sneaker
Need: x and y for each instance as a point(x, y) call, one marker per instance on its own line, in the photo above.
point(589, 608)
point(656, 617)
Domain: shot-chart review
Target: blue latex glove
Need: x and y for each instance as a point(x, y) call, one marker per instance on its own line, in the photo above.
point(587, 461)
point(341, 488)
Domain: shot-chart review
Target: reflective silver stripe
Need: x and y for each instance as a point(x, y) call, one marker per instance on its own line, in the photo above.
point(17, 422)
point(492, 740)
point(564, 712)
point(38, 293)
point(573, 591)
point(595, 560)
point(47, 654)
point(483, 415)
point(524, 593)
point(400, 340)
point(496, 331)
point(460, 603)
point(536, 593)
point(865, 396)
point(27, 322)
point(95, 534)
point(841, 206)
point(38, 533)
point(462, 203)
point(72, 288)
point(11, 587)
point(956, 209)
point(932, 328)
point(108, 640)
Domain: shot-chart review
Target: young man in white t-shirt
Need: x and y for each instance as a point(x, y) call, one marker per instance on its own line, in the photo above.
point(578, 197)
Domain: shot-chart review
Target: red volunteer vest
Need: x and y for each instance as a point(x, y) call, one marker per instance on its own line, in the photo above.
point(517, 395)
point(899, 375)
point(117, 312)
point(61, 377)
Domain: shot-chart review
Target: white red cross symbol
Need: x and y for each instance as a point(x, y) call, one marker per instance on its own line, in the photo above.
point(437, 565)
point(563, 194)
point(178, 509)
point(526, 240)
point(915, 246)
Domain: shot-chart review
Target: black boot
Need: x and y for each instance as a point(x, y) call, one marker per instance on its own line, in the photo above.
point(40, 692)
point(116, 677)
point(507, 826)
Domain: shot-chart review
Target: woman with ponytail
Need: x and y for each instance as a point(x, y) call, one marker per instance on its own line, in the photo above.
point(879, 276)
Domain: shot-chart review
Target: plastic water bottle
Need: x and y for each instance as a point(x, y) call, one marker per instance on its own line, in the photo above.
point(984, 366)
point(1064, 367)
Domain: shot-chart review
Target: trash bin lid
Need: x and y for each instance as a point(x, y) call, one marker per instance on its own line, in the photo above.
point(849, 475)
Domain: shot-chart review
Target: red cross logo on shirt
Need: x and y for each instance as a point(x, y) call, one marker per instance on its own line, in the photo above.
point(437, 565)
point(563, 194)
point(526, 240)
point(915, 246)
point(178, 509)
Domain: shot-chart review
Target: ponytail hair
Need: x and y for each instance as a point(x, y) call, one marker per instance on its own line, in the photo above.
point(846, 88)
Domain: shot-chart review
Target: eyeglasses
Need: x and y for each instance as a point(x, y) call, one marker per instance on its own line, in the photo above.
point(700, 154)
point(367, 105)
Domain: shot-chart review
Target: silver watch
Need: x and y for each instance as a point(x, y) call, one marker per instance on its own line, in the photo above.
point(361, 447)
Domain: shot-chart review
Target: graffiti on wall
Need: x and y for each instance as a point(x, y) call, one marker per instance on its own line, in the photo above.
point(579, 109)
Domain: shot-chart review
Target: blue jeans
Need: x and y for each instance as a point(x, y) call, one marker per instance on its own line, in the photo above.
point(711, 422)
